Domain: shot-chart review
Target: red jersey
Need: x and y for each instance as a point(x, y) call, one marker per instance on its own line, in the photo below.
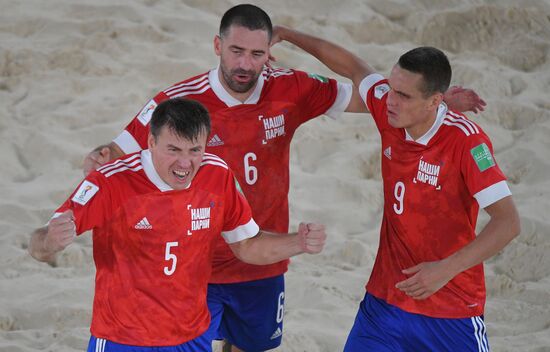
point(153, 246)
point(254, 138)
point(433, 188)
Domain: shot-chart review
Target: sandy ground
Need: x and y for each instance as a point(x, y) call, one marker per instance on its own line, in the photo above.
point(73, 73)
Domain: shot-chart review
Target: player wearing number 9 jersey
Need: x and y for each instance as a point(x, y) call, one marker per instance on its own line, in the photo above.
point(426, 291)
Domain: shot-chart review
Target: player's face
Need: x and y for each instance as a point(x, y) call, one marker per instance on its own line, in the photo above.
point(176, 159)
point(407, 106)
point(243, 54)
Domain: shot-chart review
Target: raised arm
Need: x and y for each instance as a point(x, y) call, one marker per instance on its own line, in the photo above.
point(267, 248)
point(335, 57)
point(349, 65)
point(429, 277)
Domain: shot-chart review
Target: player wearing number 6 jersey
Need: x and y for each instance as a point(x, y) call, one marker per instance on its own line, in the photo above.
point(255, 111)
point(426, 291)
point(156, 216)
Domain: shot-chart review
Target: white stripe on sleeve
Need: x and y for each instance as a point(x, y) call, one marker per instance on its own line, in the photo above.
point(127, 143)
point(492, 194)
point(343, 97)
point(243, 232)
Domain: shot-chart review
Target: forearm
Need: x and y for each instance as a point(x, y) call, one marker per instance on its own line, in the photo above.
point(267, 248)
point(335, 57)
point(37, 246)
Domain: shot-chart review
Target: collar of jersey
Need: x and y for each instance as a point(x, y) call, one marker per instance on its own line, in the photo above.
point(152, 174)
point(425, 139)
point(224, 96)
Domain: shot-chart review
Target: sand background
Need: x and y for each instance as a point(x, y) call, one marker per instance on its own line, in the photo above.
point(73, 73)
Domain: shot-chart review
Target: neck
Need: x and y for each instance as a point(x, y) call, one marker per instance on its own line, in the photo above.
point(421, 128)
point(239, 96)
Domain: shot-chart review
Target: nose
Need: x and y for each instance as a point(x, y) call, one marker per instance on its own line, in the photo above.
point(246, 62)
point(390, 101)
point(184, 162)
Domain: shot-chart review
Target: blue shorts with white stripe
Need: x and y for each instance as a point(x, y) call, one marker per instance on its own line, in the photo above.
point(200, 344)
point(382, 327)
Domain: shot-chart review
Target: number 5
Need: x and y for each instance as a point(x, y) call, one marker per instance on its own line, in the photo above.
point(170, 256)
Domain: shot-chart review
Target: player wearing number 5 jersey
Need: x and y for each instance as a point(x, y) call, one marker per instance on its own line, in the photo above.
point(156, 216)
point(426, 291)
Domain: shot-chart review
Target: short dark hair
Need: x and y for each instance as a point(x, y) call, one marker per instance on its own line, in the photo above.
point(247, 16)
point(184, 117)
point(432, 64)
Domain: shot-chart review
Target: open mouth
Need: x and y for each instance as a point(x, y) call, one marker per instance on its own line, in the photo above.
point(181, 175)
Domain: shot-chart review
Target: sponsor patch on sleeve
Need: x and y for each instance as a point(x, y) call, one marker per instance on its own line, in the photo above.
point(483, 157)
point(147, 112)
point(85, 192)
point(380, 90)
point(320, 78)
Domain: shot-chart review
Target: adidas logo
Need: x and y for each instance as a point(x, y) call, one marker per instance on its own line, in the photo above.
point(387, 152)
point(215, 141)
point(277, 333)
point(143, 224)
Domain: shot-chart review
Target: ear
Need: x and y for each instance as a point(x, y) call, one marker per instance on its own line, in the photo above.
point(218, 45)
point(150, 141)
point(434, 101)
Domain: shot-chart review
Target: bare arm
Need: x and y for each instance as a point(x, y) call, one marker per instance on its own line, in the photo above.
point(267, 248)
point(335, 57)
point(100, 156)
point(348, 65)
point(429, 277)
point(47, 241)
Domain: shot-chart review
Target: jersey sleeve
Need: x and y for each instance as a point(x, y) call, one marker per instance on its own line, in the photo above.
point(483, 177)
point(373, 90)
point(89, 203)
point(134, 137)
point(318, 95)
point(238, 222)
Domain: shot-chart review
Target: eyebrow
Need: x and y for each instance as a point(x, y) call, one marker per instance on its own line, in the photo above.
point(240, 48)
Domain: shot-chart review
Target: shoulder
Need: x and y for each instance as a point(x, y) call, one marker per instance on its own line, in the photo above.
point(462, 127)
point(213, 161)
point(192, 86)
point(279, 75)
point(123, 167)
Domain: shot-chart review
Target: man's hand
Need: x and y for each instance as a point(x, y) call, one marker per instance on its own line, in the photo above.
point(312, 237)
point(427, 278)
point(96, 158)
point(462, 100)
point(61, 233)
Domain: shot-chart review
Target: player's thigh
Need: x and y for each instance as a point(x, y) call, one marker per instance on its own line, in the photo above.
point(442, 335)
point(376, 328)
point(199, 344)
point(215, 299)
point(253, 320)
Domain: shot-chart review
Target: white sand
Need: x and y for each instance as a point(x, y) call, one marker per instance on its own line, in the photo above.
point(73, 73)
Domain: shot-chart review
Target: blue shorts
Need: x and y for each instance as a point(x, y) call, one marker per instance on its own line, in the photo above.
point(380, 326)
point(249, 315)
point(199, 344)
